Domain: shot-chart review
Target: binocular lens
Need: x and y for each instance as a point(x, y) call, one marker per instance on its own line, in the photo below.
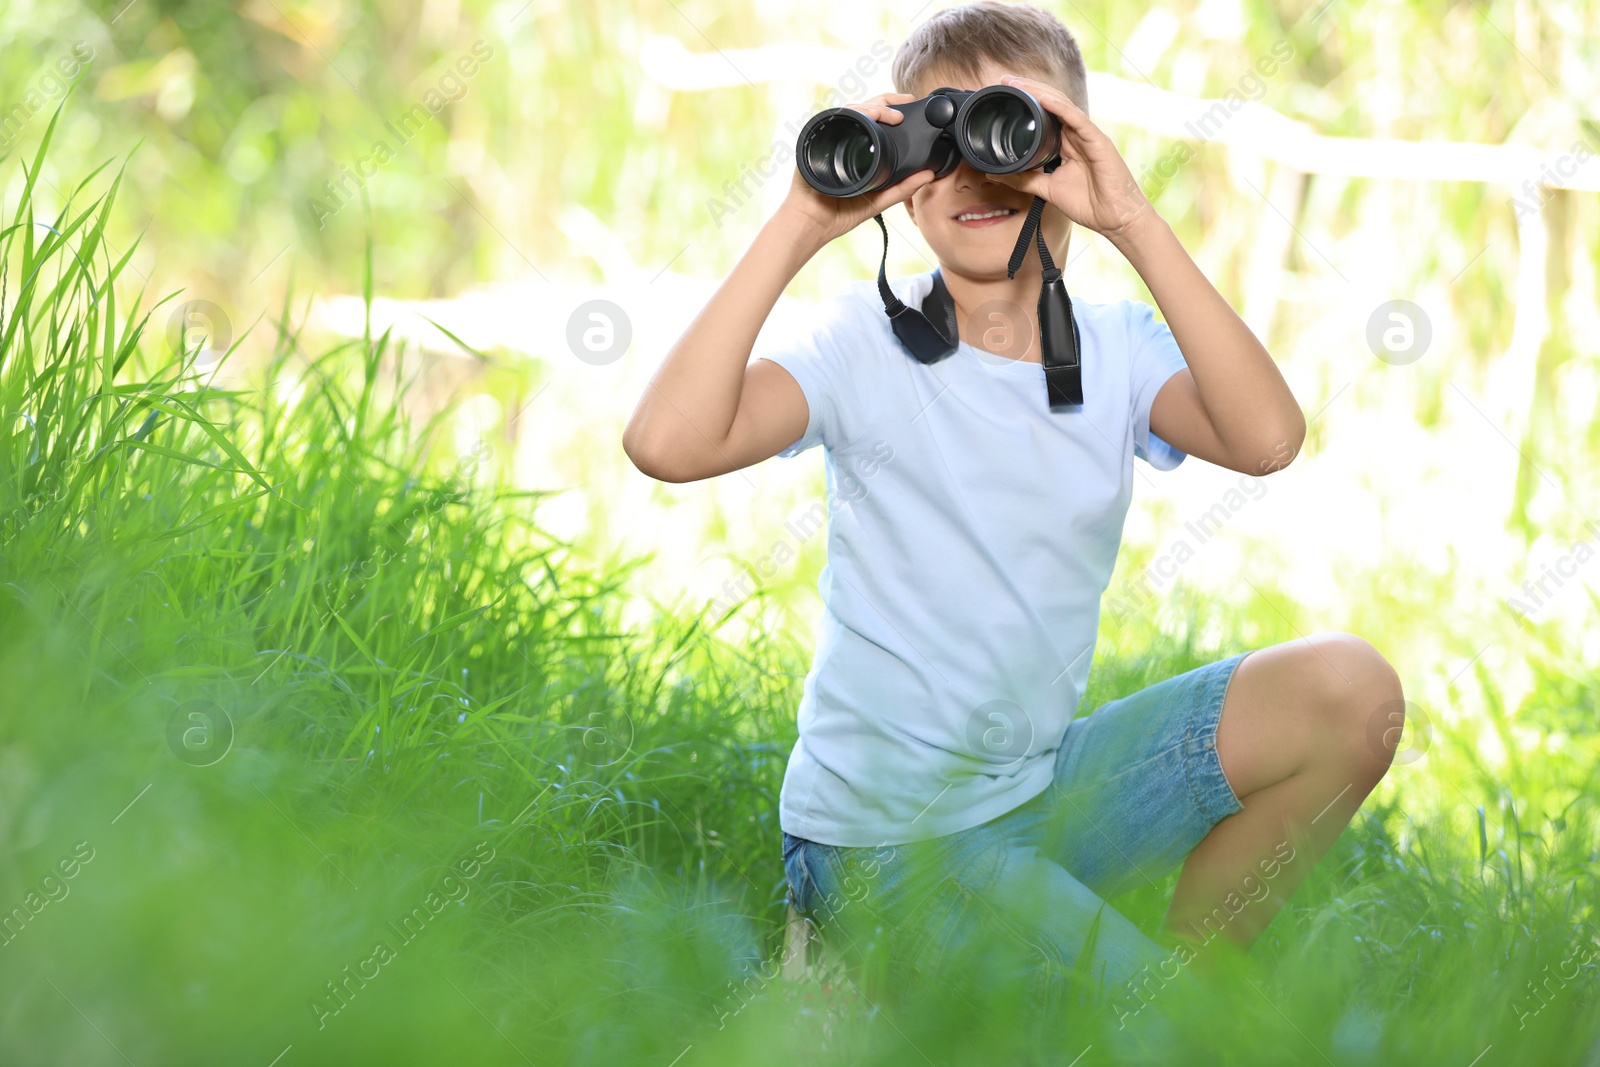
point(998, 129)
point(1001, 133)
point(841, 154)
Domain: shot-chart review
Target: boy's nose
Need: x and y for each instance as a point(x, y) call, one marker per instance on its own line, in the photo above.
point(966, 177)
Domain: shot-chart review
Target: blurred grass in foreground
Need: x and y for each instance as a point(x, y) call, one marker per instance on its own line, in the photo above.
point(350, 763)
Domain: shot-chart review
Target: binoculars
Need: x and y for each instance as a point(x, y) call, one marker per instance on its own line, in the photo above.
point(998, 129)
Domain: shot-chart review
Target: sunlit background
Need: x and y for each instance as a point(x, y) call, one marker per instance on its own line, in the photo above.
point(1401, 199)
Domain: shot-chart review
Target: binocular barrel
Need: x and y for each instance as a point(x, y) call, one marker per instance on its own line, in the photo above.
point(998, 129)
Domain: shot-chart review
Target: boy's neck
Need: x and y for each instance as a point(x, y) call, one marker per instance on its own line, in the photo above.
point(999, 315)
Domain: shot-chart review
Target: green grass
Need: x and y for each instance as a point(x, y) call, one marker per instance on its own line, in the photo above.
point(413, 674)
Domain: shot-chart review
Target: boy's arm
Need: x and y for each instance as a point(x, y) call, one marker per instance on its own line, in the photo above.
point(1231, 406)
point(707, 409)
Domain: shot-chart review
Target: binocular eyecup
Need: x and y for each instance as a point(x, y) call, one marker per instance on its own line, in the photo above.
point(998, 129)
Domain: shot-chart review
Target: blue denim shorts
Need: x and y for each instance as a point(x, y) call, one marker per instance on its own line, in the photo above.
point(1137, 785)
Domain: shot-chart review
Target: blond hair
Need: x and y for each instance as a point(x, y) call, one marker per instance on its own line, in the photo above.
point(958, 39)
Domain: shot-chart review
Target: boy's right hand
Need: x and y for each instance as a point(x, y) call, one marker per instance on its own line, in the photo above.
point(834, 216)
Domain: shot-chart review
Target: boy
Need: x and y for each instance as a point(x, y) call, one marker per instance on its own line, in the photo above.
point(940, 778)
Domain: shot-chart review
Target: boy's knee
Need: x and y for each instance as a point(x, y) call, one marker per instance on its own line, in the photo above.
point(1358, 695)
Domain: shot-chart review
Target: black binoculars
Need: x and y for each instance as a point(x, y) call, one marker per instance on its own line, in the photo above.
point(998, 129)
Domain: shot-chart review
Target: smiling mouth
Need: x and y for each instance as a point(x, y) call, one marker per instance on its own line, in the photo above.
point(991, 217)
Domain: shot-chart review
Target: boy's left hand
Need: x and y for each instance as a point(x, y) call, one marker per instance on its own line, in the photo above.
point(1092, 185)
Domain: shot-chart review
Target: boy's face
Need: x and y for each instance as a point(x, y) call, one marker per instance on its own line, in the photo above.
point(980, 248)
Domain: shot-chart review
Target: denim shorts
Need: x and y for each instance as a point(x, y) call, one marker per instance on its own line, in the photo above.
point(1137, 785)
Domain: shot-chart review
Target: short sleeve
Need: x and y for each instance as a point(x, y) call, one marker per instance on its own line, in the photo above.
point(1153, 357)
point(813, 345)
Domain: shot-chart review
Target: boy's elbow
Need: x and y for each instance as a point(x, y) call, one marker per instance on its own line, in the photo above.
point(654, 460)
point(661, 472)
point(1283, 444)
point(647, 460)
point(637, 447)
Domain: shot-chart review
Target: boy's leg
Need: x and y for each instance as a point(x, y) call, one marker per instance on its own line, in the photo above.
point(1307, 729)
point(1138, 784)
point(980, 915)
point(1069, 944)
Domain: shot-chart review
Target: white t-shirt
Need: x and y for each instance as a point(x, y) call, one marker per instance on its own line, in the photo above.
point(971, 532)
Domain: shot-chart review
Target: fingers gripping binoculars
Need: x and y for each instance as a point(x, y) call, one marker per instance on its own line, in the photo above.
point(998, 129)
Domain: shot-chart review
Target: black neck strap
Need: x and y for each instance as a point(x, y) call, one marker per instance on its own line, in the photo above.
point(927, 342)
point(1060, 347)
point(931, 334)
